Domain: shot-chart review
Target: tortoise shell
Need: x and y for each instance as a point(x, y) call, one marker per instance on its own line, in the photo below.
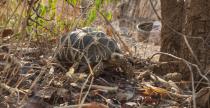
point(86, 44)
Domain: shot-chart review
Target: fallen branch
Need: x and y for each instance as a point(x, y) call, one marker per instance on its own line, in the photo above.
point(87, 105)
point(10, 89)
point(104, 88)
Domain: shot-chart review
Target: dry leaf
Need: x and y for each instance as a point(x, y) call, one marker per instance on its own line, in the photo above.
point(70, 72)
point(7, 32)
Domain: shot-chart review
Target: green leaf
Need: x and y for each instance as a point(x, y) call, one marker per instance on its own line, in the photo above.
point(91, 16)
point(52, 8)
point(41, 21)
point(52, 4)
point(98, 3)
point(43, 10)
point(73, 2)
point(108, 16)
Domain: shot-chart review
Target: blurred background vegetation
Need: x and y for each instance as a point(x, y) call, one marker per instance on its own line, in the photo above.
point(46, 19)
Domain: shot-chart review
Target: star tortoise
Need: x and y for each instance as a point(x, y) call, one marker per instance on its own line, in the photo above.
point(88, 45)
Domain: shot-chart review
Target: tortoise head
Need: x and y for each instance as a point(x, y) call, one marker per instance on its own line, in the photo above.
point(124, 63)
point(121, 59)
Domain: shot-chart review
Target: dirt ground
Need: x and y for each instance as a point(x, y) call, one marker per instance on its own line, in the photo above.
point(35, 81)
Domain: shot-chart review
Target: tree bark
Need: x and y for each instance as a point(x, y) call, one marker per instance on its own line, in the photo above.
point(198, 33)
point(172, 12)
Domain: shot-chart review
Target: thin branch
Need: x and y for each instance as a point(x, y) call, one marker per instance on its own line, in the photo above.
point(115, 33)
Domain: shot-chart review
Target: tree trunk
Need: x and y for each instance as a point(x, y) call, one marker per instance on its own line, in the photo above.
point(198, 32)
point(172, 12)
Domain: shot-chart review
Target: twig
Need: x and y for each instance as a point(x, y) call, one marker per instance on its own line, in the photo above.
point(185, 61)
point(7, 22)
point(104, 87)
point(83, 105)
point(192, 75)
point(10, 89)
point(115, 33)
point(37, 13)
point(41, 25)
point(83, 99)
point(34, 82)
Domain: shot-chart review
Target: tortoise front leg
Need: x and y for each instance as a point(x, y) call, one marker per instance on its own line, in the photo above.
point(97, 69)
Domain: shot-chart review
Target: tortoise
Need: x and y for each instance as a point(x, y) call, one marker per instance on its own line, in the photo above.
point(89, 45)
